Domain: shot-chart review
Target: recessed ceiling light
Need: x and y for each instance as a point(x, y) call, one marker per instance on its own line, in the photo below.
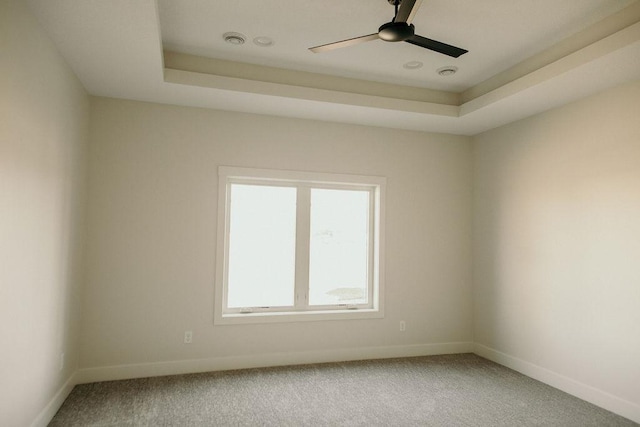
point(413, 65)
point(234, 38)
point(449, 70)
point(263, 41)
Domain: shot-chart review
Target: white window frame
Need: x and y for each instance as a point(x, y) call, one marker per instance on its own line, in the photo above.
point(304, 182)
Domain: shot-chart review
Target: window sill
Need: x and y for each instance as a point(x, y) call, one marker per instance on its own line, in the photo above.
point(299, 316)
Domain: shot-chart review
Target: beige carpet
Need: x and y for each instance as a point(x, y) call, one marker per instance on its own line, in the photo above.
point(451, 390)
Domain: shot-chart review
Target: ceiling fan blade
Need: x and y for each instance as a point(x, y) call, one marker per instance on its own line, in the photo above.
point(437, 46)
point(343, 43)
point(407, 11)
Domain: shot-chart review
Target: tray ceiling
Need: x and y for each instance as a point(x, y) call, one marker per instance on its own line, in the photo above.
point(524, 57)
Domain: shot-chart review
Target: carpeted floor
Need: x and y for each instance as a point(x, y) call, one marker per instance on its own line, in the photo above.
point(450, 390)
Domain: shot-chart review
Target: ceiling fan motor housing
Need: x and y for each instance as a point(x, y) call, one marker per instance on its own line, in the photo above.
point(396, 31)
point(399, 29)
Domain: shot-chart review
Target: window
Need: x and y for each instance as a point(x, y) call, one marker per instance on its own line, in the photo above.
point(298, 246)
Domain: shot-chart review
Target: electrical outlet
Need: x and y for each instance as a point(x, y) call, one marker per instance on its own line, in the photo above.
point(188, 337)
point(61, 361)
point(403, 326)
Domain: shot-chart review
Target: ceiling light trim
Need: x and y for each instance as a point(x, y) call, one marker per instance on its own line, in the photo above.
point(234, 38)
point(447, 71)
point(413, 65)
point(263, 41)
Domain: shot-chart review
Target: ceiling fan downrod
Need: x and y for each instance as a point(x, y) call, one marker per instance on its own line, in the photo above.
point(396, 31)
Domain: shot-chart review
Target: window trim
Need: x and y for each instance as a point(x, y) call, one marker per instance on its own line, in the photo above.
point(228, 175)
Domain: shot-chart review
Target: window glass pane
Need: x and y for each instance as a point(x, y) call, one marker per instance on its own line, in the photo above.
point(261, 246)
point(339, 247)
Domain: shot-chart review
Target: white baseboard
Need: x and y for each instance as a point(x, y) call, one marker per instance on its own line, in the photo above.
point(583, 391)
point(593, 395)
point(142, 370)
point(47, 413)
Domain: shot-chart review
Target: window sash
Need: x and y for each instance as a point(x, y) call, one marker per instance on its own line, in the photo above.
point(262, 247)
point(315, 244)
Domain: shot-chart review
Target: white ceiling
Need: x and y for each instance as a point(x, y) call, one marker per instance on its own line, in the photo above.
point(498, 34)
point(524, 57)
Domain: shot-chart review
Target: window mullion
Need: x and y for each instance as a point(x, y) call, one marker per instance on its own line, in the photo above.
point(372, 255)
point(303, 225)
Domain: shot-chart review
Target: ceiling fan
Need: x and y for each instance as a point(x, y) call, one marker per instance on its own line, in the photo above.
point(398, 30)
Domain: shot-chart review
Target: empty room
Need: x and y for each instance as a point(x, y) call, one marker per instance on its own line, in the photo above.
point(362, 212)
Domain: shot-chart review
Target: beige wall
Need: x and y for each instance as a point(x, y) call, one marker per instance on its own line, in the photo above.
point(554, 202)
point(152, 234)
point(557, 243)
point(43, 132)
